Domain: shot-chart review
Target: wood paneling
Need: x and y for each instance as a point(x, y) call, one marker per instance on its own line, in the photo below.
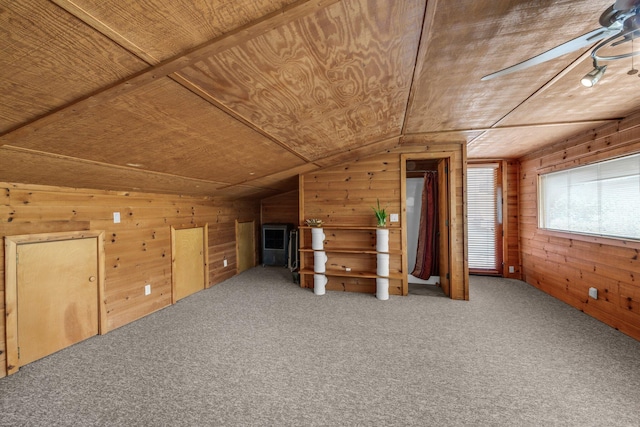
point(456, 53)
point(344, 195)
point(122, 125)
point(511, 245)
point(160, 126)
point(137, 250)
point(64, 172)
point(330, 81)
point(567, 265)
point(604, 101)
point(493, 143)
point(282, 208)
point(49, 58)
point(159, 31)
point(235, 98)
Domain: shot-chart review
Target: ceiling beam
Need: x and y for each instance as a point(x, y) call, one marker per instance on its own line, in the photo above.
point(512, 127)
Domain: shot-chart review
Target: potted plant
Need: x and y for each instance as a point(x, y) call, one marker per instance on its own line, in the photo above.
point(381, 214)
point(382, 233)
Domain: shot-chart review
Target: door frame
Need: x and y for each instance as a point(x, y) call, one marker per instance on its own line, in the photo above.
point(205, 256)
point(11, 284)
point(446, 246)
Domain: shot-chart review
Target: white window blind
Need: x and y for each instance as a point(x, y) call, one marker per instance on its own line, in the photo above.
point(601, 199)
point(482, 215)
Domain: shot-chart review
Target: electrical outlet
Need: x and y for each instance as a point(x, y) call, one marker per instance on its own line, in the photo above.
point(116, 217)
point(512, 269)
point(593, 293)
point(224, 262)
point(393, 218)
point(147, 289)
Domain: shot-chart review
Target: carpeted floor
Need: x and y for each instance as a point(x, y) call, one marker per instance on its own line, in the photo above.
point(259, 350)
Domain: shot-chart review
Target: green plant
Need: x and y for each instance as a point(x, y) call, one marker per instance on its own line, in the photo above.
point(381, 214)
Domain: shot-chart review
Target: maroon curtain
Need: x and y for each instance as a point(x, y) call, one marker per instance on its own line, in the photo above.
point(427, 253)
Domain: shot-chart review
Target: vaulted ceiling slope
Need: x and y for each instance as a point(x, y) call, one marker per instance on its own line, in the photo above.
point(235, 98)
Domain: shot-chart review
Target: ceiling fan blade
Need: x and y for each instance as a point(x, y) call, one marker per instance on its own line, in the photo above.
point(570, 46)
point(625, 5)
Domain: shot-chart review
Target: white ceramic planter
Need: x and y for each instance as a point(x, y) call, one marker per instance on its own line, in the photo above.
point(317, 239)
point(382, 240)
point(382, 289)
point(320, 283)
point(382, 265)
point(319, 261)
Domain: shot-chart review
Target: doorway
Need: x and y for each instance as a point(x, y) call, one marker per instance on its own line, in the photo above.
point(54, 285)
point(413, 168)
point(189, 261)
point(415, 179)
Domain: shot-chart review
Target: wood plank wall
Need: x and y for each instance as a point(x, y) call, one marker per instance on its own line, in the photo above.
point(282, 208)
point(511, 174)
point(137, 251)
point(566, 265)
point(343, 196)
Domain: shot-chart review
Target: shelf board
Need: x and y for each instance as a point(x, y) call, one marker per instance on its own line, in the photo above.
point(350, 251)
point(358, 274)
point(341, 251)
point(347, 227)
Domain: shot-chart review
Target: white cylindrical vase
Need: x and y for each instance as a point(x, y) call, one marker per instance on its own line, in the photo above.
point(382, 289)
point(319, 284)
point(317, 239)
point(382, 240)
point(382, 265)
point(319, 261)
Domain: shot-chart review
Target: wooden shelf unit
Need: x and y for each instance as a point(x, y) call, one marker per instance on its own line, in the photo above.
point(339, 248)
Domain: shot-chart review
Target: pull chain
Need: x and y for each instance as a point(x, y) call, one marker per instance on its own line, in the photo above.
point(633, 70)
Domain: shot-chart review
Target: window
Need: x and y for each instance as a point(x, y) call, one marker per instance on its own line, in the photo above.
point(484, 218)
point(601, 199)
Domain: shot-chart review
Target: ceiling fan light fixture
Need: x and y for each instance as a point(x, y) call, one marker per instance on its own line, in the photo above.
point(592, 77)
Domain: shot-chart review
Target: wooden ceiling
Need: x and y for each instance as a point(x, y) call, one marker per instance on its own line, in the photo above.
point(235, 98)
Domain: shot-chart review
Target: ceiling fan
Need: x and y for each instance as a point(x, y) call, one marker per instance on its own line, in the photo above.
point(620, 21)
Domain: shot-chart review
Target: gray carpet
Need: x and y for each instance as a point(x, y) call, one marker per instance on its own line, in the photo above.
point(259, 350)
